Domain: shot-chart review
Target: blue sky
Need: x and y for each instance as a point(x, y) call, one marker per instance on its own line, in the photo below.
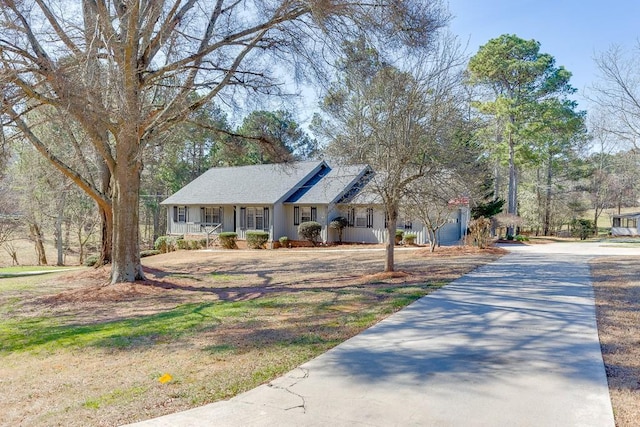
point(573, 31)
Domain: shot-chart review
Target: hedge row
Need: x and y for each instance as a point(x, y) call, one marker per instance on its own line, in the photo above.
point(166, 244)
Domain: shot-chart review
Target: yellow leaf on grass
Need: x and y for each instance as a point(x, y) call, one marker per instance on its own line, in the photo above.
point(165, 378)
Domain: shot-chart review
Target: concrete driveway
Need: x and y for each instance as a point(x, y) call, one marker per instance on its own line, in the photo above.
point(514, 343)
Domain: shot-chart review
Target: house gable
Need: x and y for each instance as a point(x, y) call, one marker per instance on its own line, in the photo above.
point(330, 185)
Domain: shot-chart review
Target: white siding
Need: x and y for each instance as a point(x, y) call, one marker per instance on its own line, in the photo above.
point(448, 234)
point(375, 234)
point(364, 235)
point(279, 222)
point(291, 230)
point(623, 231)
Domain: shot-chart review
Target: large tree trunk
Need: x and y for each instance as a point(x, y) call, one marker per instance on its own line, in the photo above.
point(126, 265)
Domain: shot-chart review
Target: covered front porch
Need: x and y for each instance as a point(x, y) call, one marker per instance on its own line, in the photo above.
point(625, 224)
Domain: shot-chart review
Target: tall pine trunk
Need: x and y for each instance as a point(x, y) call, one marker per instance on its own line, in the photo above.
point(547, 199)
point(512, 202)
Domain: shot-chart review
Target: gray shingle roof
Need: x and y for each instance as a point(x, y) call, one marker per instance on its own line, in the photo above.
point(300, 183)
point(627, 215)
point(255, 184)
point(332, 186)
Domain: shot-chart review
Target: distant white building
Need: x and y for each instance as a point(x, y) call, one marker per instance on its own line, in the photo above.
point(625, 224)
point(278, 197)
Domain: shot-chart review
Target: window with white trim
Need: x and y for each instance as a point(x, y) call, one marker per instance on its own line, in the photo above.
point(305, 213)
point(251, 214)
point(212, 215)
point(182, 214)
point(254, 218)
point(259, 219)
point(362, 218)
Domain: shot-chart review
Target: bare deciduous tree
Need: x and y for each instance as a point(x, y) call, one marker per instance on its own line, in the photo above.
point(618, 93)
point(126, 71)
point(432, 200)
point(393, 120)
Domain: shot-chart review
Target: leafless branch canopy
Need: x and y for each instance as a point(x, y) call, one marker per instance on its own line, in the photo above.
point(617, 93)
point(106, 62)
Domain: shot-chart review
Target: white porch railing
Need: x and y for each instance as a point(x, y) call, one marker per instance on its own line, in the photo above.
point(194, 228)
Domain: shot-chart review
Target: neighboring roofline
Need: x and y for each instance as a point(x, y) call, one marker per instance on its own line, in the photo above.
point(626, 215)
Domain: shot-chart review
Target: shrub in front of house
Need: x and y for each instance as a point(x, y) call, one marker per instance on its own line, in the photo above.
point(228, 240)
point(410, 238)
point(310, 231)
point(257, 239)
point(339, 224)
point(399, 236)
point(165, 244)
point(284, 241)
point(182, 244)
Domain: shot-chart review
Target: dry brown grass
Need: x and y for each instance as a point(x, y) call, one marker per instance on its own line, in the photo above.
point(617, 290)
point(262, 313)
point(27, 255)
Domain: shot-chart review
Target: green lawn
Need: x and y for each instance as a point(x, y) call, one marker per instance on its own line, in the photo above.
point(51, 333)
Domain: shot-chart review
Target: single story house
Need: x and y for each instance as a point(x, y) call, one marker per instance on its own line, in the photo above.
point(278, 197)
point(625, 224)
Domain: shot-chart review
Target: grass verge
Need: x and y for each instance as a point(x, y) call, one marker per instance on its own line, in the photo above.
point(617, 289)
